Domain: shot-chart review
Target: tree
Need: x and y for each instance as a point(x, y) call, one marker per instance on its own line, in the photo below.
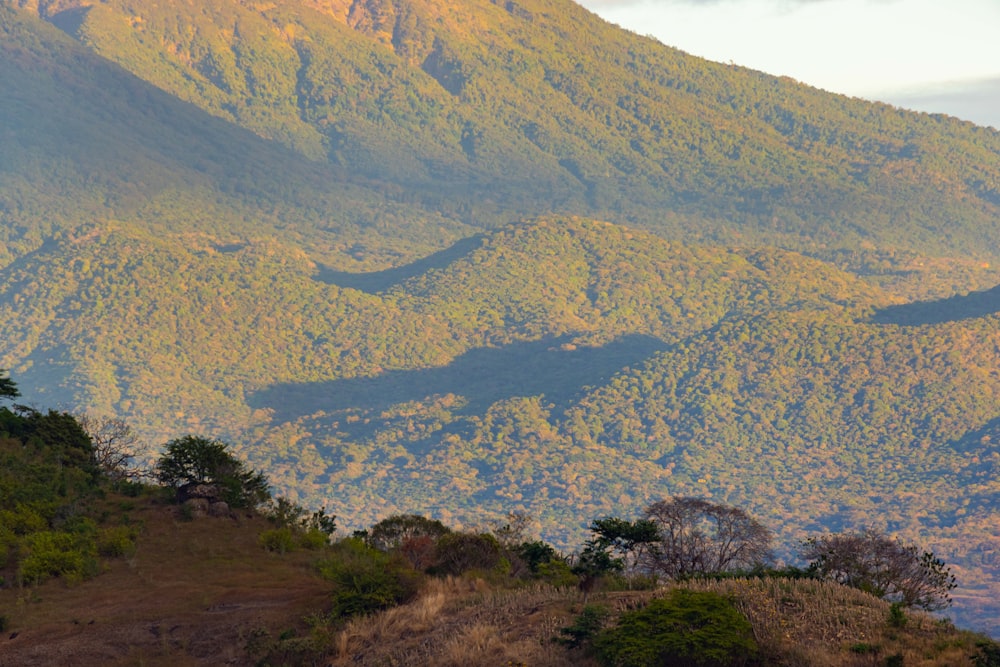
point(391, 533)
point(593, 563)
point(883, 566)
point(115, 445)
point(630, 539)
point(193, 460)
point(698, 537)
point(8, 388)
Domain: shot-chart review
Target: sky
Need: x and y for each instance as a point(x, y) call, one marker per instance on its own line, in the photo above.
point(939, 56)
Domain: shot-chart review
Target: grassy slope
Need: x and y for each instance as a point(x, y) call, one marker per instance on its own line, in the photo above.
point(203, 593)
point(192, 593)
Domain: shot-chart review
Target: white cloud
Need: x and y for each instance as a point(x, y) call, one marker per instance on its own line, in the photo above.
point(868, 48)
point(977, 101)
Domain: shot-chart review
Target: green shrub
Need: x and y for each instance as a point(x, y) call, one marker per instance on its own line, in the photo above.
point(456, 553)
point(535, 554)
point(129, 488)
point(313, 539)
point(894, 660)
point(366, 580)
point(116, 541)
point(281, 540)
point(8, 546)
point(586, 626)
point(557, 573)
point(988, 654)
point(52, 554)
point(23, 520)
point(897, 615)
point(685, 628)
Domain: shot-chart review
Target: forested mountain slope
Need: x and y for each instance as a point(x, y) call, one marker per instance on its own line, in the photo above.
point(482, 112)
point(361, 242)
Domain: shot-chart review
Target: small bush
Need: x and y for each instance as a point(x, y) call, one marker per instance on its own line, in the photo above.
point(366, 580)
point(894, 660)
point(116, 541)
point(685, 628)
point(456, 553)
point(281, 540)
point(129, 488)
point(988, 654)
point(557, 573)
point(52, 554)
point(586, 626)
point(897, 616)
point(535, 554)
point(313, 539)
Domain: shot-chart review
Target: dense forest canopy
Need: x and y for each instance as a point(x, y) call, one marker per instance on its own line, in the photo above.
point(503, 257)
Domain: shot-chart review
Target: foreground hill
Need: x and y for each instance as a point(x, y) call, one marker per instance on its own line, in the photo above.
point(203, 592)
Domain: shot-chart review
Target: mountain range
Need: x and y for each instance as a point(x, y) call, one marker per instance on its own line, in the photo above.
point(486, 257)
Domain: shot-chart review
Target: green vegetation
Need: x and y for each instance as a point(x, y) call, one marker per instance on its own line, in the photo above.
point(685, 628)
point(47, 480)
point(194, 461)
point(290, 228)
point(348, 599)
point(528, 374)
point(367, 580)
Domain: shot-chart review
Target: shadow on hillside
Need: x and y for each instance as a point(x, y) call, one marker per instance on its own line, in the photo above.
point(483, 376)
point(379, 281)
point(977, 440)
point(952, 309)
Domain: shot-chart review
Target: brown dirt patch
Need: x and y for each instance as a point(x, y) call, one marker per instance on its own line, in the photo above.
point(191, 594)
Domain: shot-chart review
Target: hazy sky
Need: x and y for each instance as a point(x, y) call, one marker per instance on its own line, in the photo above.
point(931, 55)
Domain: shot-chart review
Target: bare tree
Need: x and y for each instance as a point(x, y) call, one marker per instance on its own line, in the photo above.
point(698, 537)
point(513, 531)
point(883, 566)
point(115, 445)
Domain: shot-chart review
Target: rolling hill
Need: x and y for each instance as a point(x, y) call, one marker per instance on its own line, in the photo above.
point(503, 257)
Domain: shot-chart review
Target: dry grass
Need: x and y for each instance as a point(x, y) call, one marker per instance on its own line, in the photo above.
point(464, 623)
point(204, 593)
point(818, 623)
point(797, 623)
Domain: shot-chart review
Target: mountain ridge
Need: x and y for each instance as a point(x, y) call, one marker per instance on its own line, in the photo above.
point(696, 143)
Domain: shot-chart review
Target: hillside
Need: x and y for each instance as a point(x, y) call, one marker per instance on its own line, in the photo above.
point(489, 112)
point(366, 244)
point(97, 567)
point(203, 592)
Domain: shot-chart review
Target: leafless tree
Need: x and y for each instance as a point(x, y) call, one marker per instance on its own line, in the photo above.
point(512, 531)
point(883, 566)
point(116, 445)
point(698, 537)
